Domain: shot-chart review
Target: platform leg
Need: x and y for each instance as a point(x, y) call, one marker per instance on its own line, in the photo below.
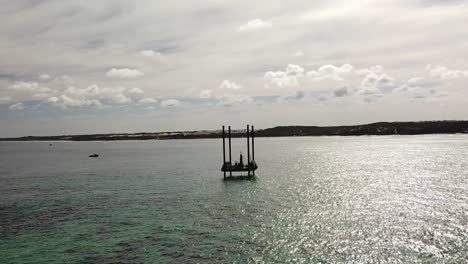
point(224, 174)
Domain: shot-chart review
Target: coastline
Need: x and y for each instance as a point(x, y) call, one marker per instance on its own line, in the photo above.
point(372, 129)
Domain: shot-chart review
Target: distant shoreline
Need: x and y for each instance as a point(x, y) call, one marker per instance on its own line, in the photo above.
point(373, 129)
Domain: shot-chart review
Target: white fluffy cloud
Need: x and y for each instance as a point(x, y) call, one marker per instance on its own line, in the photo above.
point(17, 106)
point(331, 72)
point(124, 73)
point(121, 99)
point(29, 87)
point(95, 96)
point(234, 99)
point(369, 83)
point(170, 103)
point(255, 24)
point(53, 99)
point(377, 82)
point(65, 101)
point(135, 91)
point(45, 77)
point(445, 73)
point(417, 87)
point(288, 78)
point(147, 100)
point(373, 69)
point(149, 53)
point(226, 84)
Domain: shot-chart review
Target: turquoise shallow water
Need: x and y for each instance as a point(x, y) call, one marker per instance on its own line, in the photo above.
point(398, 199)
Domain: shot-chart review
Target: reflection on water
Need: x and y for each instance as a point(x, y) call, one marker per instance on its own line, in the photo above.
point(315, 200)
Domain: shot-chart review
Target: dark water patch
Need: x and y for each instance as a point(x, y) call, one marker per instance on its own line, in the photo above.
point(16, 219)
point(117, 259)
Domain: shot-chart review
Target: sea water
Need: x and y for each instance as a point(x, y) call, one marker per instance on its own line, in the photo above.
point(370, 199)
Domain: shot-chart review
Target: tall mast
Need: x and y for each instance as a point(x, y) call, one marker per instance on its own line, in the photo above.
point(230, 153)
point(248, 145)
point(224, 146)
point(253, 144)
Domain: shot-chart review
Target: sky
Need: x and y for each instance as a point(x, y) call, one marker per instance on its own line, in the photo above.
point(78, 67)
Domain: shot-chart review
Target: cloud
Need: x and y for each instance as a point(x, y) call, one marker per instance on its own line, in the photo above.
point(298, 53)
point(255, 24)
point(149, 53)
point(234, 99)
point(341, 92)
point(29, 87)
point(295, 70)
point(206, 94)
point(53, 100)
point(170, 103)
point(371, 83)
point(445, 73)
point(374, 82)
point(94, 96)
point(17, 106)
point(65, 101)
point(90, 91)
point(44, 77)
point(204, 51)
point(147, 100)
point(5, 99)
point(226, 84)
point(288, 78)
point(135, 91)
point(373, 69)
point(298, 95)
point(124, 73)
point(121, 99)
point(422, 82)
point(331, 72)
point(63, 80)
point(417, 88)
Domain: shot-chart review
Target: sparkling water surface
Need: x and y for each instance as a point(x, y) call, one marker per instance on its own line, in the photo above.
point(388, 199)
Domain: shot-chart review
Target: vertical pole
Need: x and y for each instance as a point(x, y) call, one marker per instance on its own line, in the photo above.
point(253, 144)
point(248, 152)
point(224, 146)
point(230, 153)
point(224, 152)
point(253, 147)
point(248, 145)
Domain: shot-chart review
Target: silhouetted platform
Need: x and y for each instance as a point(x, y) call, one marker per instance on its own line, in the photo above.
point(239, 166)
point(252, 166)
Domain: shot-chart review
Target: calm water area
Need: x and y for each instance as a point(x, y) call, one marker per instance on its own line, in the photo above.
point(370, 199)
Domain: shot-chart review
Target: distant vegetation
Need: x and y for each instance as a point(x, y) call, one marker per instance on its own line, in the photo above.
point(381, 128)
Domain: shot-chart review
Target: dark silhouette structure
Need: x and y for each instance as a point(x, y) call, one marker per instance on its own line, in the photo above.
point(239, 166)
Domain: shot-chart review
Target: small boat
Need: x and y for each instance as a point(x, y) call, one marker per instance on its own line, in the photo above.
point(94, 155)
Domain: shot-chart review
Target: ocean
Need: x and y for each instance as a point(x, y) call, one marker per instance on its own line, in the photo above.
point(369, 199)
